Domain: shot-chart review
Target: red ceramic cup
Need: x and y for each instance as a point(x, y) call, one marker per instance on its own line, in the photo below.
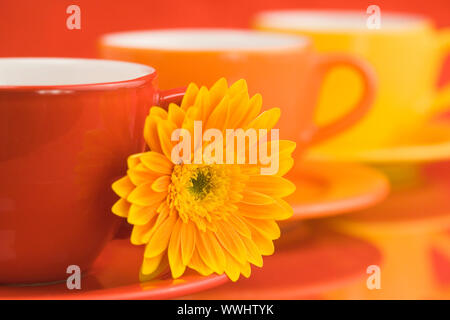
point(66, 129)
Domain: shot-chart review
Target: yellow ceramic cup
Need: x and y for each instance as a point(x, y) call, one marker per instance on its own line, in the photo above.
point(407, 53)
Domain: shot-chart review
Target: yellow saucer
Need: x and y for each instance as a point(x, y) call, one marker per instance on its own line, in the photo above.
point(429, 143)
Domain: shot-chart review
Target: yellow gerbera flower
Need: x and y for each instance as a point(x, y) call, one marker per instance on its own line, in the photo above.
point(209, 217)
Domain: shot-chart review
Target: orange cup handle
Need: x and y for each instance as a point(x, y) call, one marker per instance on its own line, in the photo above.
point(167, 97)
point(324, 64)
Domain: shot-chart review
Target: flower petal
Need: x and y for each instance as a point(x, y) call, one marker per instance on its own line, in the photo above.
point(273, 186)
point(218, 91)
point(254, 108)
point(231, 240)
point(121, 208)
point(163, 213)
point(256, 198)
point(160, 269)
point(244, 268)
point(123, 187)
point(266, 120)
point(276, 211)
point(287, 207)
point(189, 96)
point(165, 130)
point(151, 133)
point(157, 162)
point(174, 253)
point(143, 195)
point(265, 245)
point(202, 103)
point(253, 254)
point(239, 225)
point(211, 251)
point(159, 112)
point(239, 105)
point(197, 264)
point(141, 234)
point(176, 115)
point(140, 215)
point(140, 174)
point(188, 236)
point(285, 147)
point(232, 268)
point(268, 228)
point(149, 265)
point(133, 160)
point(161, 184)
point(220, 115)
point(160, 238)
point(286, 164)
point(238, 86)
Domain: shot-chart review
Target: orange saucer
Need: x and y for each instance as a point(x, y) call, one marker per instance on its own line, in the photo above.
point(326, 189)
point(115, 275)
point(303, 267)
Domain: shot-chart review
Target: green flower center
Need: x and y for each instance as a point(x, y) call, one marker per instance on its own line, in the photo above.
point(200, 183)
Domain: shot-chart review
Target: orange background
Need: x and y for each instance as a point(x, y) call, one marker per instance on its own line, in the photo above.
point(38, 27)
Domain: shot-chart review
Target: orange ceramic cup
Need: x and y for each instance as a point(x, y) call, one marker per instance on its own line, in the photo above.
point(67, 127)
point(285, 69)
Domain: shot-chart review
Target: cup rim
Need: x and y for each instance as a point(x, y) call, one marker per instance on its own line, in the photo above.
point(414, 20)
point(149, 73)
point(293, 42)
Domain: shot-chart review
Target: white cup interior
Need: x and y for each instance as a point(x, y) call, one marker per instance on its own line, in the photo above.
point(67, 71)
point(333, 20)
point(203, 40)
